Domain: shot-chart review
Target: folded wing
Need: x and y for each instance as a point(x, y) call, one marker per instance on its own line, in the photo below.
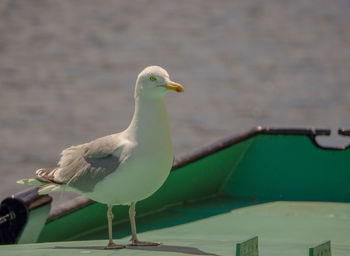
point(81, 166)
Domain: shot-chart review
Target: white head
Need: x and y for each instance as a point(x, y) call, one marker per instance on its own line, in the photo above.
point(154, 82)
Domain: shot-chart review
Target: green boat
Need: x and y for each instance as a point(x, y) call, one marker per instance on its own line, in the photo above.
point(267, 192)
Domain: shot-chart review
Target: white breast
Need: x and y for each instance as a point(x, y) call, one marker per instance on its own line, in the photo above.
point(149, 158)
point(135, 179)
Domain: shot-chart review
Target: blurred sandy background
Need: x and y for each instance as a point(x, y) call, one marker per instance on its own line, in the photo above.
point(68, 68)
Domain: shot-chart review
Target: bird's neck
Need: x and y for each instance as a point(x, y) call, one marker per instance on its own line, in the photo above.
point(150, 123)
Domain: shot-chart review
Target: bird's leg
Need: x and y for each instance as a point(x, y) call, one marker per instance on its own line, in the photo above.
point(111, 244)
point(132, 214)
point(134, 239)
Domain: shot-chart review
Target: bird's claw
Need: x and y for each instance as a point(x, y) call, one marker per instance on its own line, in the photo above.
point(112, 245)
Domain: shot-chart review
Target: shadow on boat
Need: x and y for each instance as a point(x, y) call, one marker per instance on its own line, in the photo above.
point(178, 215)
point(173, 248)
point(161, 248)
point(186, 213)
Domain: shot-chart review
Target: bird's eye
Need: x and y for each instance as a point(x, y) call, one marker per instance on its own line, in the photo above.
point(152, 78)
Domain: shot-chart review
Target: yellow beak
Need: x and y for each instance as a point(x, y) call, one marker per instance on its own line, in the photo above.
point(173, 86)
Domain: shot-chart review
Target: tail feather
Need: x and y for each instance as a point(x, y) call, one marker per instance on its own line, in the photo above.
point(46, 174)
point(45, 180)
point(49, 188)
point(32, 181)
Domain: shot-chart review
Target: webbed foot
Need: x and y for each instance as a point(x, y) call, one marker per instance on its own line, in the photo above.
point(112, 245)
point(139, 243)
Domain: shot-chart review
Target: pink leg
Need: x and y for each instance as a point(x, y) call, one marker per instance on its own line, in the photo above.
point(135, 241)
point(111, 244)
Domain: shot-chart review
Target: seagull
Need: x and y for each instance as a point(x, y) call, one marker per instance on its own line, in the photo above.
point(121, 168)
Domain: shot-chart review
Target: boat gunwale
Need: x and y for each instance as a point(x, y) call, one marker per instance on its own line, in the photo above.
point(235, 139)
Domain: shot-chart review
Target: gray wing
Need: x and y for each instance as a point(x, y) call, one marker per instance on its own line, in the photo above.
point(96, 169)
point(82, 166)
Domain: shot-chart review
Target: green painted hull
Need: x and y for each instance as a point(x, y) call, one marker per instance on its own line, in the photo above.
point(274, 184)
